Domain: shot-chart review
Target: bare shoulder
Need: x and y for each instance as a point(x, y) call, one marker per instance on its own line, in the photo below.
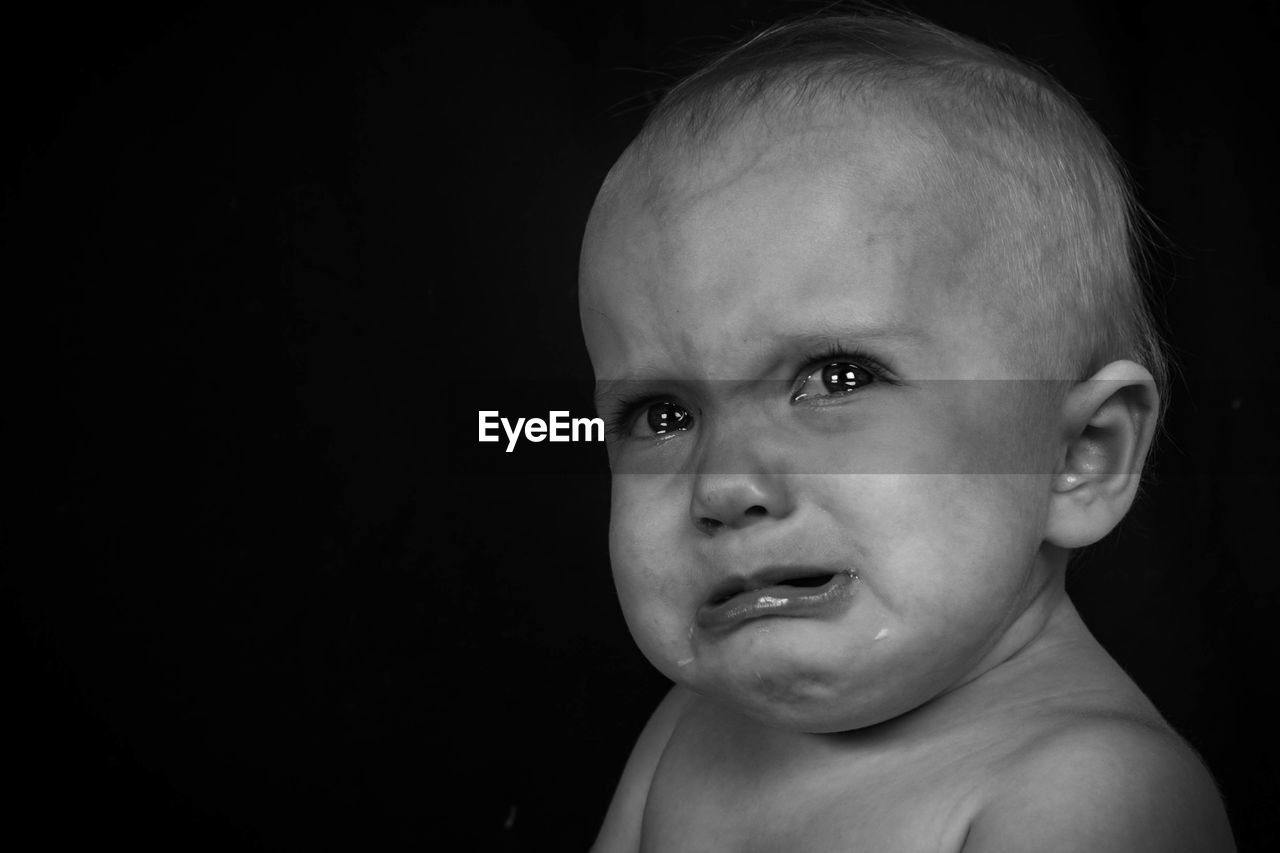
point(1103, 782)
point(621, 829)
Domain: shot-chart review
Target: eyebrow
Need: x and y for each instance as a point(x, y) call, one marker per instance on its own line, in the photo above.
point(611, 392)
point(783, 347)
point(854, 334)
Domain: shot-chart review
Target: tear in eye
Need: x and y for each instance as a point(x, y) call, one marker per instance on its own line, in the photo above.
point(668, 417)
point(834, 379)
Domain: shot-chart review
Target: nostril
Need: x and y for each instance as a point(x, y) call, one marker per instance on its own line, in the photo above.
point(750, 515)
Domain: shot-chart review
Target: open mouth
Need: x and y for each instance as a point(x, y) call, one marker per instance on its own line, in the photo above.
point(799, 582)
point(793, 593)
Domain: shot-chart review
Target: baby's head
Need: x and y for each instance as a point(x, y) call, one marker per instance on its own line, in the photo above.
point(841, 296)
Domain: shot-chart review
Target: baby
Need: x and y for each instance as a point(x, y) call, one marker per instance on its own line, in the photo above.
point(862, 306)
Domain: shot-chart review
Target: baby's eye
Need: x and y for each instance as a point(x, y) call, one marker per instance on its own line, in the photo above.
point(834, 379)
point(649, 418)
point(663, 417)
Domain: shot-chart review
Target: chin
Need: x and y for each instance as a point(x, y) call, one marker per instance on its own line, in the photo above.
point(809, 717)
point(813, 702)
point(792, 702)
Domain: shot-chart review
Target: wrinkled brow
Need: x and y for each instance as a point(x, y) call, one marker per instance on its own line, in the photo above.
point(778, 352)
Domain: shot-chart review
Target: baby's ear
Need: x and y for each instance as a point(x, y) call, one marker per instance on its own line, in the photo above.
point(1109, 421)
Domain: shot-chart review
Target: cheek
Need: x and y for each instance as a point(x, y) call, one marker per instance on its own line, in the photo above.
point(1003, 427)
point(952, 546)
point(646, 564)
point(638, 531)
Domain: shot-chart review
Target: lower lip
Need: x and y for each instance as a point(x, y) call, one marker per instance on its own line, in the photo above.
point(780, 601)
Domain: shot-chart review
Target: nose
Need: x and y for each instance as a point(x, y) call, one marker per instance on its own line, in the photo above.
point(734, 489)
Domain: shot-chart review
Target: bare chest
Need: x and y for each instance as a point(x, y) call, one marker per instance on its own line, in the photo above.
point(834, 799)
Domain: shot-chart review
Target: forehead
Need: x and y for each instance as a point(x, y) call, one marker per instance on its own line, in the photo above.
point(765, 234)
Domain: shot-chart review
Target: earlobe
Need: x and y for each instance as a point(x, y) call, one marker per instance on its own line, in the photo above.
point(1109, 421)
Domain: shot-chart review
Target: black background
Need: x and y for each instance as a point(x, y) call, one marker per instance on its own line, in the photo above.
point(263, 264)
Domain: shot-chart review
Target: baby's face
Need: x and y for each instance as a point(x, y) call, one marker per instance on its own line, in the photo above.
point(809, 522)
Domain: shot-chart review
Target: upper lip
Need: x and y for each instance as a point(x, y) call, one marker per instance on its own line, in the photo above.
point(768, 576)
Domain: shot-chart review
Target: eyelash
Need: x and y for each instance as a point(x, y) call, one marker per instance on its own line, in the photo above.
point(618, 423)
point(837, 353)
